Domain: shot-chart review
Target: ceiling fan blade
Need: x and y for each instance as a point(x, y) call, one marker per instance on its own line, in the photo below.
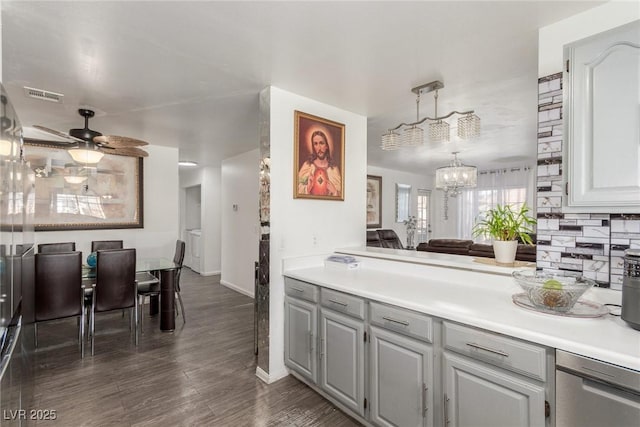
point(72, 140)
point(124, 151)
point(114, 141)
point(47, 143)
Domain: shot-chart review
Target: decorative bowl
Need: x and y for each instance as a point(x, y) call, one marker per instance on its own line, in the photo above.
point(92, 260)
point(550, 291)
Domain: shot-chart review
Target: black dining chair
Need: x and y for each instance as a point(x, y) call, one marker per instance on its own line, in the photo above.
point(115, 287)
point(58, 290)
point(149, 285)
point(46, 248)
point(98, 245)
point(178, 259)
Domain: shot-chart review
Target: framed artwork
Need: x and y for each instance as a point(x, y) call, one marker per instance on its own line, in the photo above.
point(318, 159)
point(72, 196)
point(374, 201)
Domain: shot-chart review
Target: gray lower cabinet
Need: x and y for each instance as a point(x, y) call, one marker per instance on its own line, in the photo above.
point(342, 359)
point(301, 326)
point(411, 369)
point(478, 394)
point(401, 377)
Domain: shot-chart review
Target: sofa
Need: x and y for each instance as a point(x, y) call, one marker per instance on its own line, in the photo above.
point(446, 246)
point(468, 247)
point(383, 238)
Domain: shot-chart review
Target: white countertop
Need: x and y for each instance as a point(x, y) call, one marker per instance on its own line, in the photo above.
point(483, 301)
point(461, 262)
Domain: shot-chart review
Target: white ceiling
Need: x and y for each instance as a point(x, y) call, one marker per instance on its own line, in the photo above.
point(188, 74)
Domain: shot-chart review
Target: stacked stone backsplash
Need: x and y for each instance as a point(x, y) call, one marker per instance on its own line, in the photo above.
point(586, 244)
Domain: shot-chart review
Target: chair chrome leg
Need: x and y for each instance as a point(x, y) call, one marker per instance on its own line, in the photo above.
point(92, 321)
point(81, 327)
point(184, 319)
point(141, 312)
point(135, 308)
point(35, 333)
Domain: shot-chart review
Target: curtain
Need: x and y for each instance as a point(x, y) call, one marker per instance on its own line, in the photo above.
point(512, 186)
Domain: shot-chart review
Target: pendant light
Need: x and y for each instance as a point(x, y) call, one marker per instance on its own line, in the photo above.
point(411, 134)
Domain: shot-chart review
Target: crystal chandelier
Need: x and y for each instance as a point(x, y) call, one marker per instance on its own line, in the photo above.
point(411, 134)
point(454, 178)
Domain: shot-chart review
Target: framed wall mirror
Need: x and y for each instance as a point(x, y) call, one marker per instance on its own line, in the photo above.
point(403, 202)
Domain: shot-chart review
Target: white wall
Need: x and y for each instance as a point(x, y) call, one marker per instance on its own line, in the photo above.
point(161, 218)
point(193, 207)
point(304, 226)
point(441, 228)
point(552, 38)
point(390, 178)
point(209, 180)
point(240, 227)
point(0, 40)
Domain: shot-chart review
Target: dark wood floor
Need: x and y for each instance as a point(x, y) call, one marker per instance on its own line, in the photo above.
point(201, 374)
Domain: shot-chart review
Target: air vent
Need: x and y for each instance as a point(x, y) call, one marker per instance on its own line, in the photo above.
point(44, 95)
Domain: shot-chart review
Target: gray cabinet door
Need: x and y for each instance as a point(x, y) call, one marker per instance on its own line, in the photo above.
point(602, 124)
point(478, 395)
point(342, 359)
point(401, 380)
point(301, 325)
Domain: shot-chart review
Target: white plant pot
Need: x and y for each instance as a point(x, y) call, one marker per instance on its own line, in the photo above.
point(505, 251)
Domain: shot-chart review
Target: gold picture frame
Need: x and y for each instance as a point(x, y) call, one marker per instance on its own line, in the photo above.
point(72, 196)
point(318, 158)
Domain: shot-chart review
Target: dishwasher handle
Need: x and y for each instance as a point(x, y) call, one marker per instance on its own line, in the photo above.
point(595, 369)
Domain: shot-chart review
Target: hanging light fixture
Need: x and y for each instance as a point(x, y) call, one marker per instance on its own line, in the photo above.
point(439, 130)
point(454, 178)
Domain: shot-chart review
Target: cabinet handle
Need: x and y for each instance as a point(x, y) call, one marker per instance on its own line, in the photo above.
point(490, 350)
point(424, 400)
point(445, 407)
point(344, 304)
point(321, 347)
point(310, 342)
point(401, 322)
point(297, 289)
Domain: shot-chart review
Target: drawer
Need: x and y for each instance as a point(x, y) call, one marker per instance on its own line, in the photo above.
point(507, 353)
point(303, 290)
point(343, 303)
point(415, 325)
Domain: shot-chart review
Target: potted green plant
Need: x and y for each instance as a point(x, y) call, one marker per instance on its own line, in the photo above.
point(505, 224)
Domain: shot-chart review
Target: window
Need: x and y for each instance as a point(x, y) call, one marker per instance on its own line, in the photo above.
point(403, 202)
point(505, 186)
point(423, 226)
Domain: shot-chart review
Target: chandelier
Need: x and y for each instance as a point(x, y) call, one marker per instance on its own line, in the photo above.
point(454, 178)
point(411, 134)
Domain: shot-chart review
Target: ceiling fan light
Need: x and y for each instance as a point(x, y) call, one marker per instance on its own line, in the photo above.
point(468, 126)
point(390, 141)
point(84, 156)
point(439, 131)
point(6, 147)
point(75, 179)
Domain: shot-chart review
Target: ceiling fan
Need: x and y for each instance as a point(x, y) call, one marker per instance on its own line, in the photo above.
point(88, 146)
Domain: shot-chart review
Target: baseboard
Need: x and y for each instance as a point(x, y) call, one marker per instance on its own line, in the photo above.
point(267, 378)
point(210, 273)
point(236, 288)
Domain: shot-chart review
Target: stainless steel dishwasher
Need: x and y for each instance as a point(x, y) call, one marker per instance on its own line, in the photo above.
point(594, 393)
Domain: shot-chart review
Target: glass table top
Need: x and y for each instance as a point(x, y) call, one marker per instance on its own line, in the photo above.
point(142, 264)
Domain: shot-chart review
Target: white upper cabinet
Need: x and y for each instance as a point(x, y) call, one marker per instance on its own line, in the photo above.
point(602, 121)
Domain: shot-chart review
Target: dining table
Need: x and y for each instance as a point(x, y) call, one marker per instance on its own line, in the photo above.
point(165, 269)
